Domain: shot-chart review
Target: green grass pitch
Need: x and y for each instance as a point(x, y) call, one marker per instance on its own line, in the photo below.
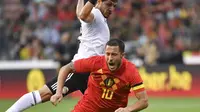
point(155, 105)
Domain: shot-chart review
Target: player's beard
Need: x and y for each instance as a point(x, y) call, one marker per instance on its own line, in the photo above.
point(107, 13)
point(114, 66)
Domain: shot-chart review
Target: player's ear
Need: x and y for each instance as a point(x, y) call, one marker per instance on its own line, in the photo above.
point(122, 55)
point(99, 1)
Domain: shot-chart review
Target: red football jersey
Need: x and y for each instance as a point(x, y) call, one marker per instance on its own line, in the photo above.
point(107, 91)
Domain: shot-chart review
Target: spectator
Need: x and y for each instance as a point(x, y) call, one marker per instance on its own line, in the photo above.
point(155, 31)
point(65, 50)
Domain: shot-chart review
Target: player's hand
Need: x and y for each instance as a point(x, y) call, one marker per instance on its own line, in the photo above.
point(122, 110)
point(55, 99)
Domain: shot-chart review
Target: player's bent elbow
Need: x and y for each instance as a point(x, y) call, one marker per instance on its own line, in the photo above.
point(82, 17)
point(145, 103)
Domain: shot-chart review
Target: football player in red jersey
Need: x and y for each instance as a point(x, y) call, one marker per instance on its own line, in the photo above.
point(95, 33)
point(111, 80)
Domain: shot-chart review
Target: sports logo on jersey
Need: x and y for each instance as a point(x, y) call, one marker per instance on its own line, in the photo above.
point(109, 82)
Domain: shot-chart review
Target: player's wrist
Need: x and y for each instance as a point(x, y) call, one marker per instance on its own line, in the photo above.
point(93, 1)
point(58, 92)
point(129, 109)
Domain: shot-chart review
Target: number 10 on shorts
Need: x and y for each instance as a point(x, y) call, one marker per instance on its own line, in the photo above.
point(107, 94)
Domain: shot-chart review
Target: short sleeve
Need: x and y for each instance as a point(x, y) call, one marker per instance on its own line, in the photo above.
point(88, 64)
point(97, 15)
point(136, 81)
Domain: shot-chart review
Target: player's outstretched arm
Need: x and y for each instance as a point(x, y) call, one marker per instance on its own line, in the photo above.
point(79, 7)
point(84, 12)
point(63, 73)
point(141, 104)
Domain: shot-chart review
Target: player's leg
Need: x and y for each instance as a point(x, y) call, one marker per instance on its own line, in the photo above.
point(44, 94)
point(81, 80)
point(32, 98)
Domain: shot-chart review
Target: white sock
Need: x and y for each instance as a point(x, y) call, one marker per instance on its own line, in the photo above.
point(26, 101)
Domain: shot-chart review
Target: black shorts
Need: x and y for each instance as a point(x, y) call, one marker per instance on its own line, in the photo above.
point(74, 82)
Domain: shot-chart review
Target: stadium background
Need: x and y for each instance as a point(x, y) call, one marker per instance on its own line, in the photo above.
point(161, 37)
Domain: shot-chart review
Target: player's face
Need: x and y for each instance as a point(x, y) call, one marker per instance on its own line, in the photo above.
point(113, 57)
point(107, 7)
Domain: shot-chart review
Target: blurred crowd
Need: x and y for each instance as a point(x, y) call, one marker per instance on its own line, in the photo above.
point(154, 31)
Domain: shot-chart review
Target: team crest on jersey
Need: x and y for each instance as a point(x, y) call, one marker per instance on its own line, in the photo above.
point(109, 82)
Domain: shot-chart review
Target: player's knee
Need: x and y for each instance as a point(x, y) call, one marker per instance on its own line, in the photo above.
point(65, 90)
point(45, 93)
point(25, 95)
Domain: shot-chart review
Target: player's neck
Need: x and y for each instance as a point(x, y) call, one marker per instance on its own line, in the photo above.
point(98, 7)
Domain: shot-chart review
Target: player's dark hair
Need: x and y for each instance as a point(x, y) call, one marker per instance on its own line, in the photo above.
point(117, 42)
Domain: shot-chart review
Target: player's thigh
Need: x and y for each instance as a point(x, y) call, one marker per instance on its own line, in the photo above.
point(78, 81)
point(74, 82)
point(83, 81)
point(69, 86)
point(45, 93)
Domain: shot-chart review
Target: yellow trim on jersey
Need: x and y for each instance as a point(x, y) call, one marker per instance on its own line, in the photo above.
point(137, 87)
point(100, 71)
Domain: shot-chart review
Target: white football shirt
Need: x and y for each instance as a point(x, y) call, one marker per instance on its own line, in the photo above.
point(94, 36)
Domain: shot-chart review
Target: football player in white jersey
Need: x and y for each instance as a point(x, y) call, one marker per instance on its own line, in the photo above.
point(95, 34)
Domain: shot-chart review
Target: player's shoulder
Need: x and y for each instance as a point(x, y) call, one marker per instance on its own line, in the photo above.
point(97, 13)
point(130, 68)
point(96, 61)
point(129, 65)
point(97, 58)
point(96, 10)
point(131, 71)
